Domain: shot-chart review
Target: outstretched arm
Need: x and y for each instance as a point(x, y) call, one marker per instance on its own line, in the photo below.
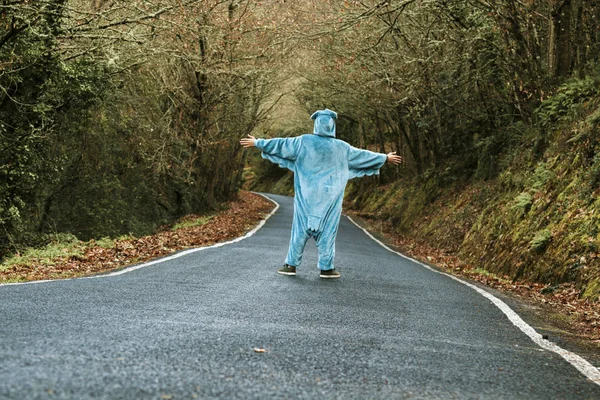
point(287, 148)
point(282, 151)
point(365, 162)
point(359, 159)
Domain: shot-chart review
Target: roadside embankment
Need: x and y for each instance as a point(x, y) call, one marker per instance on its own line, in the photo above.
point(68, 257)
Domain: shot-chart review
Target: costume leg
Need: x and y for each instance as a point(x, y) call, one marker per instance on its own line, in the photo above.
point(326, 242)
point(297, 243)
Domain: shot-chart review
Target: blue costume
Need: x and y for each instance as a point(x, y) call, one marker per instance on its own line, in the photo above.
point(322, 166)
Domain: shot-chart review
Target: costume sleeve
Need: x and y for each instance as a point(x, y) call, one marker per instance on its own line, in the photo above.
point(282, 151)
point(364, 162)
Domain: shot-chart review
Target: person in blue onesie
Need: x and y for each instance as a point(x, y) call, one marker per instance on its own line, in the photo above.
point(322, 166)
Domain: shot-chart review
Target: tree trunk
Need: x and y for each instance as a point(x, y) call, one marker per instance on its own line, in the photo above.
point(559, 51)
point(413, 145)
point(579, 53)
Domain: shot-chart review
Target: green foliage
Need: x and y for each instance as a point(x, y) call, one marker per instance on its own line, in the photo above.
point(541, 176)
point(568, 100)
point(593, 175)
point(594, 119)
point(523, 203)
point(540, 241)
point(105, 243)
point(592, 289)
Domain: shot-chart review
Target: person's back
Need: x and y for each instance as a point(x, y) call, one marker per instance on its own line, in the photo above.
point(322, 166)
point(321, 173)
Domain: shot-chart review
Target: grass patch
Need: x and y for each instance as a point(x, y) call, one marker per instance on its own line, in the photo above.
point(62, 246)
point(106, 243)
point(191, 222)
point(13, 280)
point(484, 272)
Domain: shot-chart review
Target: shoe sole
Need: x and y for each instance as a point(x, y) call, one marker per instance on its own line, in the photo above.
point(287, 273)
point(329, 276)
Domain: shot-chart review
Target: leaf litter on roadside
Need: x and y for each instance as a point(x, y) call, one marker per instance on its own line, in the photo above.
point(239, 216)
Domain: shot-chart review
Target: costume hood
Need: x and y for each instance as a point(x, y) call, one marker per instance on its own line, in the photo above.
point(324, 122)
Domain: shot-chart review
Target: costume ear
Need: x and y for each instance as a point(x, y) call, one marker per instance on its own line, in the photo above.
point(326, 111)
point(331, 113)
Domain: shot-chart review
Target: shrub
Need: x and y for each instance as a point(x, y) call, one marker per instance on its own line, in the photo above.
point(540, 241)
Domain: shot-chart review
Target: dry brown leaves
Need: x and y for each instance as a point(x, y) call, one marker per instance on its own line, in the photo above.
point(582, 315)
point(239, 217)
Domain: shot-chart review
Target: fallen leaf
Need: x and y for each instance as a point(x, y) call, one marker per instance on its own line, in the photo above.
point(259, 350)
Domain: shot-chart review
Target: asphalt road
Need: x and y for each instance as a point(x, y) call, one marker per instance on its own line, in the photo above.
point(187, 328)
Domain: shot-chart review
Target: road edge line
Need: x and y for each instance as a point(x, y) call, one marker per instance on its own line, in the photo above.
point(585, 367)
point(163, 259)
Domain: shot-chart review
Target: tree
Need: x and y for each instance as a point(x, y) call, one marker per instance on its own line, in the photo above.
point(120, 116)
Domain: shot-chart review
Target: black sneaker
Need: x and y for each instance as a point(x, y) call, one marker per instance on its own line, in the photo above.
point(287, 270)
point(329, 274)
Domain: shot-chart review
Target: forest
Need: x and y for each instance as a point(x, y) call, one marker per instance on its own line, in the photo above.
point(118, 116)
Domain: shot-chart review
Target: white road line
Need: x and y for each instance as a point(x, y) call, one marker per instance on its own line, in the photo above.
point(585, 367)
point(177, 255)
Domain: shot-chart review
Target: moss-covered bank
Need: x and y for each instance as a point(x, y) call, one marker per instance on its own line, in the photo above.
point(537, 220)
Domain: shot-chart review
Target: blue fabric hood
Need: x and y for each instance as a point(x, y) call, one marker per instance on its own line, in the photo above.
point(324, 122)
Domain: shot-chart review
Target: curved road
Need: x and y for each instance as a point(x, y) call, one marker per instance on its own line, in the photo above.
point(187, 328)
